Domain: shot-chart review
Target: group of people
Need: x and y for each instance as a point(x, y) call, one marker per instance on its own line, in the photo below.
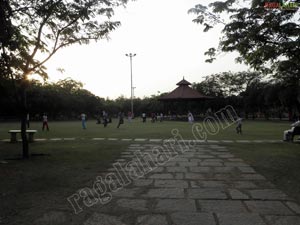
point(154, 117)
point(106, 119)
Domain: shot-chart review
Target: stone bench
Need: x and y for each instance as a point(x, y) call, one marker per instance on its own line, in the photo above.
point(13, 135)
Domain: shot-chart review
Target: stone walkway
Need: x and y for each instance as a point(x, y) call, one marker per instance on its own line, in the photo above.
point(205, 185)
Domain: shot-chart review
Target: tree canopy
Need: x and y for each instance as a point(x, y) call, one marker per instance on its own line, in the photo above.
point(32, 31)
point(266, 39)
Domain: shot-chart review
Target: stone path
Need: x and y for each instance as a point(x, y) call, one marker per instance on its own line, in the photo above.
point(205, 185)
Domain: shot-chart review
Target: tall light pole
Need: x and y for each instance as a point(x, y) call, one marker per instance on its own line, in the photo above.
point(131, 55)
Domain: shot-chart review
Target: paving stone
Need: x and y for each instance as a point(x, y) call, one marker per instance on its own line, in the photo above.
point(252, 177)
point(246, 169)
point(176, 169)
point(194, 176)
point(169, 205)
point(161, 176)
point(135, 204)
point(237, 195)
point(236, 164)
point(283, 220)
point(213, 160)
point(171, 183)
point(103, 219)
point(179, 159)
point(142, 182)
point(226, 156)
point(158, 169)
point(222, 177)
point(151, 220)
point(179, 176)
point(211, 164)
point(268, 207)
point(222, 206)
point(204, 157)
point(170, 163)
point(53, 217)
point(294, 206)
point(244, 184)
point(164, 193)
point(183, 164)
point(235, 160)
point(268, 194)
point(126, 192)
point(181, 218)
point(196, 160)
point(206, 193)
point(200, 169)
point(224, 169)
point(240, 219)
point(212, 184)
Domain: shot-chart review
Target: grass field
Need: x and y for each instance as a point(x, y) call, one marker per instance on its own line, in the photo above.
point(252, 130)
point(30, 187)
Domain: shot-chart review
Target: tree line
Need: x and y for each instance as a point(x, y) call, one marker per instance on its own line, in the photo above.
point(250, 93)
point(66, 100)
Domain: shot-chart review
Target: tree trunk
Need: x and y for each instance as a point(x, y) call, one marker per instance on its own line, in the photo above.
point(25, 146)
point(24, 111)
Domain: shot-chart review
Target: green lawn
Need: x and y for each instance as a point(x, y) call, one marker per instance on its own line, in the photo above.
point(252, 130)
point(29, 188)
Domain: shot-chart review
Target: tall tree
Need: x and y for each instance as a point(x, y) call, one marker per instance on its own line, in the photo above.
point(32, 31)
point(266, 39)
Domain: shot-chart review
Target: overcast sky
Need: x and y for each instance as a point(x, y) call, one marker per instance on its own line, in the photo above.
point(167, 43)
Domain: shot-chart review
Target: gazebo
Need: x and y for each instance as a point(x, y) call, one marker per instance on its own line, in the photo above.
point(183, 98)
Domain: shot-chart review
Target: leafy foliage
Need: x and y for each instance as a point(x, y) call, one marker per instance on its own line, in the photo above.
point(266, 39)
point(33, 31)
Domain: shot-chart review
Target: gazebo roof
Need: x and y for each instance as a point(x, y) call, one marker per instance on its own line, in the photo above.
point(184, 92)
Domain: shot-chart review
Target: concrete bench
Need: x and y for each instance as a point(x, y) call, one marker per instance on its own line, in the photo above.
point(13, 135)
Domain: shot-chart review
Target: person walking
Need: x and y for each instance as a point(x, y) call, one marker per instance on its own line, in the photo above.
point(105, 119)
point(83, 120)
point(239, 126)
point(45, 122)
point(121, 119)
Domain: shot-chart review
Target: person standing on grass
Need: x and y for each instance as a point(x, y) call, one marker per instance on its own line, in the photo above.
point(129, 117)
point(83, 120)
point(239, 126)
point(121, 118)
point(161, 117)
point(45, 122)
point(190, 117)
point(144, 117)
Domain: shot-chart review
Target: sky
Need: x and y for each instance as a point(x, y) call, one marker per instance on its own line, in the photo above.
point(167, 44)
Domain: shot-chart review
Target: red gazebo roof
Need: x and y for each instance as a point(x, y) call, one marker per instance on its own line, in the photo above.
point(184, 92)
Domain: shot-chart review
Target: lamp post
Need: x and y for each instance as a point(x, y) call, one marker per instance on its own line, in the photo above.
point(131, 55)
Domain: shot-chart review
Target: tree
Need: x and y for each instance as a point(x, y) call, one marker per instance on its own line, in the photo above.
point(226, 83)
point(266, 39)
point(33, 31)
